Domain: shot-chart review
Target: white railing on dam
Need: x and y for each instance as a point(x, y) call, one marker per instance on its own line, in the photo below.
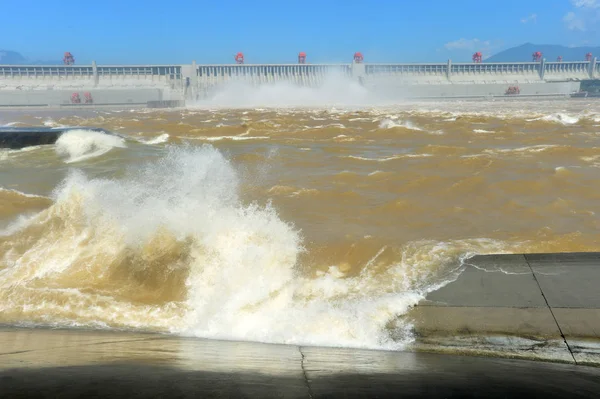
point(456, 72)
point(569, 70)
point(88, 70)
point(35, 71)
point(568, 67)
point(496, 68)
point(406, 69)
point(208, 76)
point(41, 76)
point(171, 72)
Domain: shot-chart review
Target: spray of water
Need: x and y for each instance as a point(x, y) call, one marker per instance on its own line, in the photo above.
point(335, 91)
point(173, 247)
point(80, 144)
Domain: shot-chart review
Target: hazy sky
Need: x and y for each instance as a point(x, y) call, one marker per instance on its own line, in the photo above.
point(151, 31)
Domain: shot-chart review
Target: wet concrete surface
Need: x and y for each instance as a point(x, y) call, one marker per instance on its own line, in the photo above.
point(72, 364)
point(538, 306)
point(505, 307)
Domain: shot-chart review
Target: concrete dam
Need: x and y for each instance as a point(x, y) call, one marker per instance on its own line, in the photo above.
point(174, 85)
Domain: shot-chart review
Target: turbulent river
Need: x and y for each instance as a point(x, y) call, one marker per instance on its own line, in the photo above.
point(311, 225)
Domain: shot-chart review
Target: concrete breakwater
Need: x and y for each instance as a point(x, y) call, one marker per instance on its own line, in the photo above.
point(21, 137)
point(69, 85)
point(534, 306)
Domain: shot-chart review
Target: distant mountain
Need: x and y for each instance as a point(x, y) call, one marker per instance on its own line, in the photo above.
point(550, 53)
point(8, 57)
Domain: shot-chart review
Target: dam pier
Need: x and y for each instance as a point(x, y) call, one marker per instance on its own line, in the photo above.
point(175, 85)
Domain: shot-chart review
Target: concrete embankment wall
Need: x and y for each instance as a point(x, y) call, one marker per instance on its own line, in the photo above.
point(393, 90)
point(18, 137)
point(532, 306)
point(59, 97)
point(383, 88)
point(27, 85)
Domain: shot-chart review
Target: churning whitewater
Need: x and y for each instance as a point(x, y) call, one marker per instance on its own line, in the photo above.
point(80, 144)
point(314, 226)
point(171, 247)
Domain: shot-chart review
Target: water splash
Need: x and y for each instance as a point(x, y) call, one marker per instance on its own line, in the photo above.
point(172, 247)
point(390, 124)
point(163, 138)
point(336, 90)
point(80, 144)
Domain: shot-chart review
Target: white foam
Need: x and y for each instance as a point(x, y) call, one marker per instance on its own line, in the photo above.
point(344, 138)
point(562, 118)
point(80, 144)
point(10, 190)
point(163, 138)
point(28, 149)
point(592, 158)
point(233, 138)
point(559, 117)
point(376, 172)
point(8, 154)
point(528, 149)
point(386, 159)
point(359, 119)
point(390, 124)
point(338, 125)
point(482, 131)
point(417, 155)
point(51, 123)
point(21, 222)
